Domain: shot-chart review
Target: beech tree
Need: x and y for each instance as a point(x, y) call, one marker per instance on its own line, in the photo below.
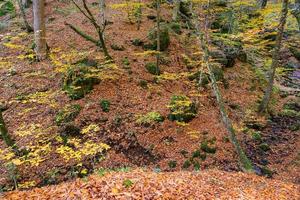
point(275, 58)
point(204, 38)
point(99, 26)
point(39, 29)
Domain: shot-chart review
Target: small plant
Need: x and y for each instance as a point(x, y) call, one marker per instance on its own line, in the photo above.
point(256, 135)
point(127, 183)
point(143, 84)
point(126, 61)
point(206, 146)
point(264, 147)
point(105, 105)
point(182, 109)
point(67, 114)
point(172, 164)
point(186, 164)
point(196, 165)
point(117, 47)
point(152, 68)
point(149, 118)
point(176, 27)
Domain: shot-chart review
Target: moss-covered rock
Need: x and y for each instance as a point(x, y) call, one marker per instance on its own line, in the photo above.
point(182, 109)
point(149, 118)
point(152, 68)
point(67, 114)
point(78, 81)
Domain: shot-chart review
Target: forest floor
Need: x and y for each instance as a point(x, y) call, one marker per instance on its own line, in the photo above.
point(31, 93)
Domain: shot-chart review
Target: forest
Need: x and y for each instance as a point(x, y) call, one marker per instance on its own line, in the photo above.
point(150, 99)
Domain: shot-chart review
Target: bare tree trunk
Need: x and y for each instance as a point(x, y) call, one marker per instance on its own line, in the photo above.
point(40, 29)
point(102, 17)
point(275, 58)
point(176, 10)
point(4, 133)
point(158, 35)
point(23, 14)
point(203, 37)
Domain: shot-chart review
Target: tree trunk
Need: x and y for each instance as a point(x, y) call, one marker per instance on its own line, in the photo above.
point(296, 12)
point(275, 58)
point(176, 10)
point(4, 133)
point(103, 45)
point(203, 38)
point(40, 29)
point(158, 35)
point(23, 14)
point(102, 17)
point(26, 3)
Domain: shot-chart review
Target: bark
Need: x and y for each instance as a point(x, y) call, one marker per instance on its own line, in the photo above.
point(83, 34)
point(40, 29)
point(158, 34)
point(176, 10)
point(296, 12)
point(275, 58)
point(4, 133)
point(203, 38)
point(23, 14)
point(102, 17)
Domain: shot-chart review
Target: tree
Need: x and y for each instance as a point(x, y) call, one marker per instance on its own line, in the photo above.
point(99, 26)
point(296, 12)
point(39, 29)
point(275, 58)
point(4, 133)
point(203, 38)
point(23, 14)
point(158, 34)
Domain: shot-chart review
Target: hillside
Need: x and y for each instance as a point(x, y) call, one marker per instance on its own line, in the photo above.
point(76, 113)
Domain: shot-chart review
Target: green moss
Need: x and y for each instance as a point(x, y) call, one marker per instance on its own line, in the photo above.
point(172, 164)
point(186, 164)
point(149, 118)
point(7, 8)
point(143, 84)
point(208, 146)
point(197, 165)
point(182, 109)
point(67, 114)
point(264, 147)
point(175, 27)
point(256, 135)
point(78, 81)
point(127, 183)
point(152, 68)
point(105, 105)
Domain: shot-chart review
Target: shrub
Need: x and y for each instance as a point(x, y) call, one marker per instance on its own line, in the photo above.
point(172, 164)
point(6, 8)
point(208, 146)
point(78, 81)
point(182, 109)
point(67, 114)
point(256, 136)
point(176, 27)
point(105, 105)
point(149, 118)
point(264, 147)
point(152, 68)
point(143, 84)
point(186, 164)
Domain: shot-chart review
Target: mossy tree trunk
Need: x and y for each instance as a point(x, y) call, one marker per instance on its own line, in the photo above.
point(275, 58)
point(158, 34)
point(203, 37)
point(4, 133)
